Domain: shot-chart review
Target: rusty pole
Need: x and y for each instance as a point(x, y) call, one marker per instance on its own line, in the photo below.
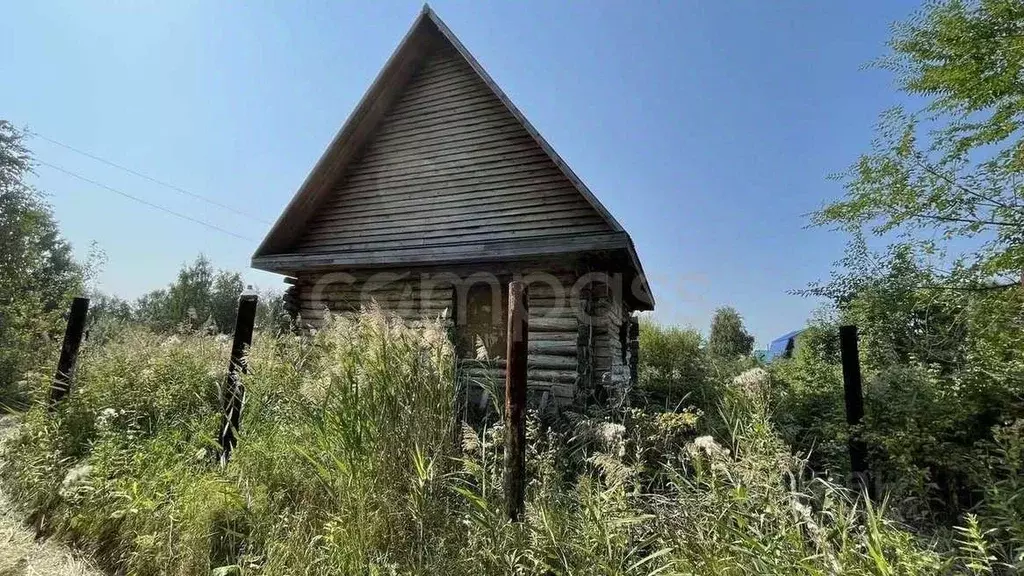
point(515, 399)
point(233, 394)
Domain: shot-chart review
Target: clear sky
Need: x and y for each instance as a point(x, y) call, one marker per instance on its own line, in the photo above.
point(707, 128)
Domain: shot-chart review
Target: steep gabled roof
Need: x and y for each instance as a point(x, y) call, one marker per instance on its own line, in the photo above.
point(309, 233)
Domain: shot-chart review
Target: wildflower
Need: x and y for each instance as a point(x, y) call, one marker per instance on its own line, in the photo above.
point(105, 416)
point(709, 446)
point(75, 477)
point(611, 438)
point(753, 381)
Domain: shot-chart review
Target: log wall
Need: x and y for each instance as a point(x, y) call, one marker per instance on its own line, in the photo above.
point(611, 321)
point(554, 321)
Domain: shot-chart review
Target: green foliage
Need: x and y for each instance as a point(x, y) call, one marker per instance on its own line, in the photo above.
point(729, 338)
point(333, 428)
point(809, 394)
point(347, 465)
point(941, 368)
point(673, 364)
point(201, 297)
point(1001, 513)
point(38, 275)
point(107, 470)
point(271, 314)
point(346, 461)
point(952, 169)
point(940, 310)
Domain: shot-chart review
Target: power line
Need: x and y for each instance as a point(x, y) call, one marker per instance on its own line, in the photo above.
point(178, 189)
point(141, 201)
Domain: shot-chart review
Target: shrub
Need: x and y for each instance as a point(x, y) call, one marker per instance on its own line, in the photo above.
point(673, 365)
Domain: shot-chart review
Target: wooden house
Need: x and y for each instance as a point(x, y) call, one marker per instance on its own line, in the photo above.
point(434, 194)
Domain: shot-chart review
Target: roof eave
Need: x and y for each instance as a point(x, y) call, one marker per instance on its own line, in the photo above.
point(287, 263)
point(646, 302)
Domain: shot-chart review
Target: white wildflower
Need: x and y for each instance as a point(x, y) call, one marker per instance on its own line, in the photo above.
point(753, 381)
point(105, 416)
point(611, 438)
point(708, 445)
point(74, 478)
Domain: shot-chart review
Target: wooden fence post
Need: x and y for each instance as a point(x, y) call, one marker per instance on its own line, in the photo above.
point(633, 345)
point(854, 396)
point(233, 394)
point(61, 385)
point(515, 399)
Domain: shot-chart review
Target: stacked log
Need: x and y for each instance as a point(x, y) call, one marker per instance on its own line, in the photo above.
point(553, 323)
point(610, 322)
point(404, 298)
point(552, 361)
point(291, 298)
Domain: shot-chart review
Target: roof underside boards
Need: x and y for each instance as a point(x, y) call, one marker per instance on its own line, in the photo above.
point(435, 165)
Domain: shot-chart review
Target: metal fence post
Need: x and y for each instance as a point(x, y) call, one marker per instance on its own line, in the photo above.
point(61, 385)
point(233, 394)
point(854, 396)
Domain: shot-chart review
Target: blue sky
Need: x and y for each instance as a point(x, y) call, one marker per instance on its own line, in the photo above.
point(707, 128)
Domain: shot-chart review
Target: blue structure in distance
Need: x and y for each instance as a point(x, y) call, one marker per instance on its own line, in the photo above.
point(782, 346)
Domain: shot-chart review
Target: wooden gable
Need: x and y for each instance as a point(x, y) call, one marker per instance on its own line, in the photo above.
point(448, 164)
point(436, 165)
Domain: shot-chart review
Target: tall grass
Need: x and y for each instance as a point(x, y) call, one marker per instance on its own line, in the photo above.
point(349, 462)
point(343, 462)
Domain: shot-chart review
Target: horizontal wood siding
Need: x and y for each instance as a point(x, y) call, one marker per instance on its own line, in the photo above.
point(448, 165)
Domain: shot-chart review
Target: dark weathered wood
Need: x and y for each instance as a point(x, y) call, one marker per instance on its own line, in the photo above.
point(233, 394)
point(61, 385)
point(546, 362)
point(553, 347)
point(515, 399)
point(433, 142)
point(481, 251)
point(449, 219)
point(422, 294)
point(423, 115)
point(500, 189)
point(585, 344)
point(634, 350)
point(854, 399)
point(399, 240)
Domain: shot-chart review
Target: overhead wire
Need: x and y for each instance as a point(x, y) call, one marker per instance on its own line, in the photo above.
point(141, 200)
point(147, 177)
